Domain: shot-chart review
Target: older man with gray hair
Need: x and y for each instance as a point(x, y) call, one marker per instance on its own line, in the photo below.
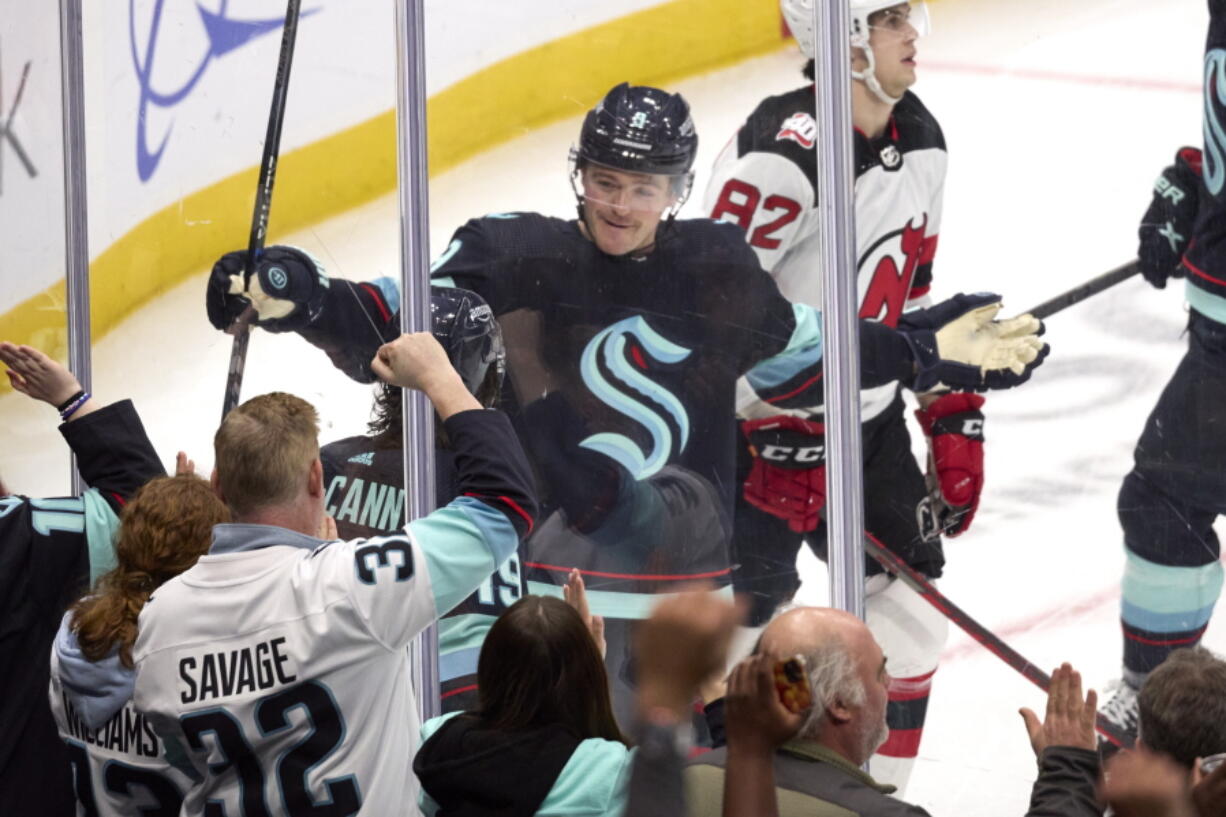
point(816, 763)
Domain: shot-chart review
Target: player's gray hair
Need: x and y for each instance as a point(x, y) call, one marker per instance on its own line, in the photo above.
point(832, 677)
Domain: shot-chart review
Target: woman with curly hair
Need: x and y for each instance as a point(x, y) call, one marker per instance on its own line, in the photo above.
point(120, 762)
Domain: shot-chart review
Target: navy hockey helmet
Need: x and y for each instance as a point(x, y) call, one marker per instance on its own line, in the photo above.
point(641, 130)
point(464, 325)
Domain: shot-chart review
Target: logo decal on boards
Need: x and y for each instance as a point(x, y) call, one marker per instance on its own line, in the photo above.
point(224, 34)
point(6, 126)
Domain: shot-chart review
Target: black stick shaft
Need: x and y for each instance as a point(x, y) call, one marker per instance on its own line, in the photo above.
point(920, 584)
point(1079, 293)
point(263, 203)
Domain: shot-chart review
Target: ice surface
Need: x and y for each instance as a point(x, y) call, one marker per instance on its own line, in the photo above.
point(1058, 116)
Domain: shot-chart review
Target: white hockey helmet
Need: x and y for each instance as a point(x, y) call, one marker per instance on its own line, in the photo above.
point(799, 17)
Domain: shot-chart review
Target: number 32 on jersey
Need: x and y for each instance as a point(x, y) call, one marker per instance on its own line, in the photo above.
point(892, 261)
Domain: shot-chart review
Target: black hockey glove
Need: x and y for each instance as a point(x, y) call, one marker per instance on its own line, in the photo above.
point(959, 344)
point(1168, 223)
point(287, 289)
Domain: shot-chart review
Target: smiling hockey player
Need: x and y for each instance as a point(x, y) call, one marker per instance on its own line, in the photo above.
point(626, 334)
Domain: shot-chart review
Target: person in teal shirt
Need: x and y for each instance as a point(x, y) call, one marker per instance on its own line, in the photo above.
point(543, 739)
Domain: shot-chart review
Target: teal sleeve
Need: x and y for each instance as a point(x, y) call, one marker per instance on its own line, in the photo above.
point(803, 352)
point(464, 543)
point(101, 525)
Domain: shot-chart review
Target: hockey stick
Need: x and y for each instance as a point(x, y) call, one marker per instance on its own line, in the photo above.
point(1079, 293)
point(241, 328)
point(920, 584)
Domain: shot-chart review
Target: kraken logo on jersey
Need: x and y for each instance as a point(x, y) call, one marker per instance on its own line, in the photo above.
point(1215, 135)
point(610, 346)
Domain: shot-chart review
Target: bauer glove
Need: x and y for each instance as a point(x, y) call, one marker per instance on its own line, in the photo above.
point(1168, 223)
point(788, 477)
point(959, 344)
point(953, 424)
point(287, 289)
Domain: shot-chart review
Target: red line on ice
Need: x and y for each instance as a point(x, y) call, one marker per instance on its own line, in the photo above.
point(1138, 83)
point(1055, 615)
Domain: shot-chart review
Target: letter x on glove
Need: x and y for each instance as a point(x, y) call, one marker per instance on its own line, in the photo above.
point(788, 477)
point(953, 425)
point(1170, 219)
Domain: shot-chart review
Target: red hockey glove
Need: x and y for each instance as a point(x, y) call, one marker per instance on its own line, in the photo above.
point(788, 478)
point(954, 427)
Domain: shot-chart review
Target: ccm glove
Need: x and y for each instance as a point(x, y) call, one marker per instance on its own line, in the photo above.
point(959, 343)
point(788, 477)
point(287, 289)
point(953, 425)
point(1168, 223)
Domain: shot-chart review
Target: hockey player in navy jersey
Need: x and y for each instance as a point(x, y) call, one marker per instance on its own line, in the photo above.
point(627, 332)
point(765, 182)
point(364, 479)
point(1177, 487)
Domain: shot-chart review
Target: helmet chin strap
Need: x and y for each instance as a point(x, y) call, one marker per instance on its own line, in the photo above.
point(869, 75)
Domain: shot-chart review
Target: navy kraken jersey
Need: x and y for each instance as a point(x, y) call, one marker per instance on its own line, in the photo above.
point(623, 374)
point(764, 181)
point(1206, 255)
point(50, 551)
point(621, 381)
point(365, 478)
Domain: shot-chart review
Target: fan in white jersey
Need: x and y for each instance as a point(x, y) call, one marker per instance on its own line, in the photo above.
point(764, 181)
point(120, 765)
point(278, 659)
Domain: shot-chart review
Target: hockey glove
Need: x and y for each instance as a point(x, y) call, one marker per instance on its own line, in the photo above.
point(959, 344)
point(1168, 223)
point(287, 289)
point(953, 425)
point(788, 477)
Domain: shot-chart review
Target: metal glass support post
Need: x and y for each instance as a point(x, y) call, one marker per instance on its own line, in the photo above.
point(76, 233)
point(840, 307)
point(418, 415)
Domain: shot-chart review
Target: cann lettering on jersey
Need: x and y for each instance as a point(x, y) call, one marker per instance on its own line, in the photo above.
point(128, 732)
point(612, 367)
point(209, 676)
point(367, 503)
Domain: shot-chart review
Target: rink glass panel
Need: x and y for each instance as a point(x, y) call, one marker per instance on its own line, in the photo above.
point(33, 309)
point(179, 107)
point(1054, 142)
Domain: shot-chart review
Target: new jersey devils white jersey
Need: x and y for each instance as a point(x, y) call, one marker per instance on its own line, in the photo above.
point(764, 180)
point(278, 661)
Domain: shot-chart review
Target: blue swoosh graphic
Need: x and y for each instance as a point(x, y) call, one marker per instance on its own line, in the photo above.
point(1215, 136)
point(224, 33)
point(618, 447)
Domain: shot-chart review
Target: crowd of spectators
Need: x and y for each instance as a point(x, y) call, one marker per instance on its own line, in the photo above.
point(542, 738)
